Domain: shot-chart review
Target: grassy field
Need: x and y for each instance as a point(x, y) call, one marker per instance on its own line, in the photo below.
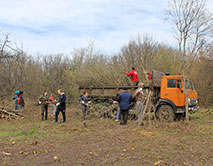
point(104, 142)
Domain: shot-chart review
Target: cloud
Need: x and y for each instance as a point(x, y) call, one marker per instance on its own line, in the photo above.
point(56, 26)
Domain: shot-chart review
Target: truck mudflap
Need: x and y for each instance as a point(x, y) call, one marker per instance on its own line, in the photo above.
point(194, 109)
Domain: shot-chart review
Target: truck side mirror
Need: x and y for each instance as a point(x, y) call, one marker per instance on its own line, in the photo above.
point(179, 85)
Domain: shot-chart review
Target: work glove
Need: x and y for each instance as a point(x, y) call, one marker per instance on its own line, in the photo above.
point(57, 104)
point(39, 102)
point(82, 102)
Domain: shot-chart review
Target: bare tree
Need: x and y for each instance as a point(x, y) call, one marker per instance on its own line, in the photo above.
point(139, 52)
point(8, 49)
point(192, 23)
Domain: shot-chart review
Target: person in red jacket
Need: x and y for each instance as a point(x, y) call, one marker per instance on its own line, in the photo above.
point(134, 76)
point(52, 105)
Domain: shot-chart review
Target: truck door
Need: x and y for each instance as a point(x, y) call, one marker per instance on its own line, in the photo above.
point(174, 92)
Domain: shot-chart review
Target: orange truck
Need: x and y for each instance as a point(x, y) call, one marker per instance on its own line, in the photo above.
point(171, 95)
point(168, 99)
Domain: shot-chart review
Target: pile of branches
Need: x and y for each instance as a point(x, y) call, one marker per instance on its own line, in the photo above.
point(99, 110)
point(7, 113)
point(209, 111)
point(105, 110)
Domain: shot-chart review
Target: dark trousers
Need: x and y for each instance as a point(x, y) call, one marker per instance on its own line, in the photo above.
point(124, 116)
point(84, 112)
point(135, 83)
point(44, 112)
point(58, 110)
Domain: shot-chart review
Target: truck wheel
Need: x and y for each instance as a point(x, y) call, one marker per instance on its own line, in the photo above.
point(166, 113)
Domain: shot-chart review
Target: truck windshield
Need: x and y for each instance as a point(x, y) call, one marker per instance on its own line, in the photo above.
point(188, 84)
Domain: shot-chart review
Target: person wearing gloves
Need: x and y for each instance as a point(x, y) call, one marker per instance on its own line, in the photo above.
point(61, 106)
point(43, 101)
point(84, 102)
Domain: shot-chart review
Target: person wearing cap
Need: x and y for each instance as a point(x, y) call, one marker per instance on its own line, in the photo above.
point(140, 100)
point(124, 99)
point(134, 76)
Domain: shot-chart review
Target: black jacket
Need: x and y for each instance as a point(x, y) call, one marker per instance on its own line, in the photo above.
point(62, 101)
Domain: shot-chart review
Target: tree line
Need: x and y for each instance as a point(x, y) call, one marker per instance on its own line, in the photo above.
point(193, 30)
point(89, 67)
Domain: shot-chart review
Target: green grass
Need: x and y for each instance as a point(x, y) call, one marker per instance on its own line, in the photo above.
point(14, 133)
point(198, 115)
point(211, 126)
point(26, 134)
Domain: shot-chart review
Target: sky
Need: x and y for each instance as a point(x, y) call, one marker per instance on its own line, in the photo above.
point(59, 26)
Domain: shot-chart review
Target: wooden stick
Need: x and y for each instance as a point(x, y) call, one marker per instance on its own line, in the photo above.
point(146, 106)
point(9, 113)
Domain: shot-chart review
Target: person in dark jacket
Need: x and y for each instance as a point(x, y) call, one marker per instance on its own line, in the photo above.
point(43, 101)
point(84, 102)
point(61, 106)
point(124, 100)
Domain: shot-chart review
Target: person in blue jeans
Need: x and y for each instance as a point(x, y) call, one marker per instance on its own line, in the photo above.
point(124, 100)
point(118, 109)
point(118, 113)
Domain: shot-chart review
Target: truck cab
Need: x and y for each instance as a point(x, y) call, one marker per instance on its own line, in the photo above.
point(171, 104)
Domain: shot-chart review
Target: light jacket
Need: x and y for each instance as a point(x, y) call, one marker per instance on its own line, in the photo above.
point(139, 95)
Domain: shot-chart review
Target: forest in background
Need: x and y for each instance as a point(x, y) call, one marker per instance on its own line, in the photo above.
point(89, 67)
point(192, 24)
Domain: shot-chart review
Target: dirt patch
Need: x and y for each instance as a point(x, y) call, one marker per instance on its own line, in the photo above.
point(104, 142)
